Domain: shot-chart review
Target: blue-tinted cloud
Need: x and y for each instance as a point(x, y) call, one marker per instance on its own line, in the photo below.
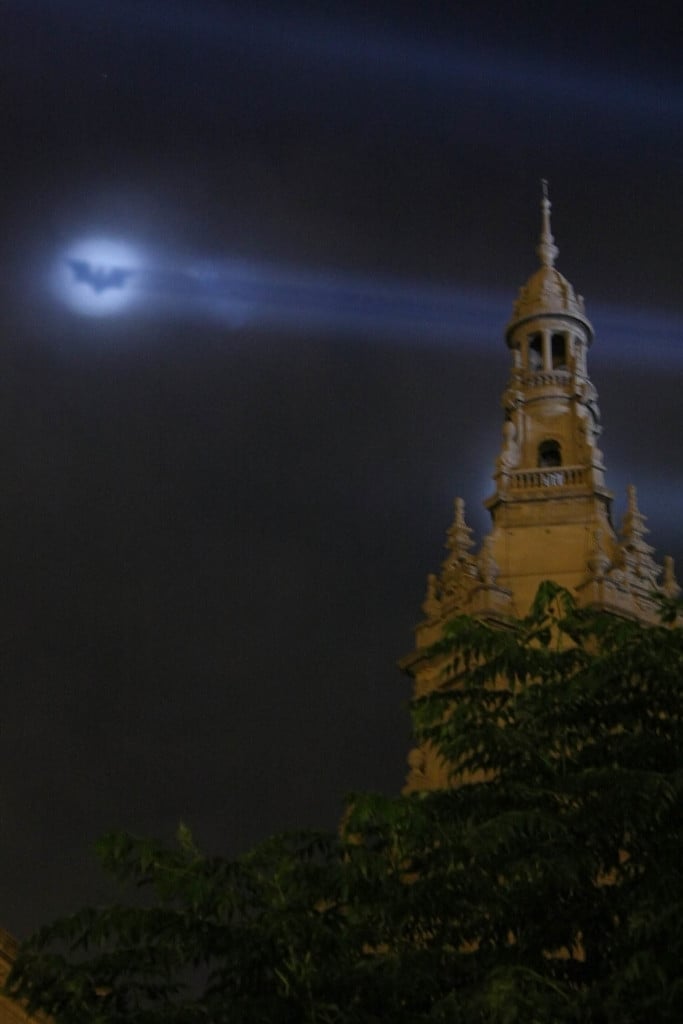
point(101, 277)
point(350, 52)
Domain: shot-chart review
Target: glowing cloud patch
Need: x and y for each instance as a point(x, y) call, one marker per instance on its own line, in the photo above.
point(100, 277)
point(97, 276)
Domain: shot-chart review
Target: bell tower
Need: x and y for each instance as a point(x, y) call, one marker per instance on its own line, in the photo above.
point(551, 511)
point(550, 499)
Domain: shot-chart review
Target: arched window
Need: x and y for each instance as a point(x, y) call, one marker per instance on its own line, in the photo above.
point(535, 352)
point(549, 453)
point(559, 351)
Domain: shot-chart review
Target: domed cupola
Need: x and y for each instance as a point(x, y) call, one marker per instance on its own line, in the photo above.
point(548, 293)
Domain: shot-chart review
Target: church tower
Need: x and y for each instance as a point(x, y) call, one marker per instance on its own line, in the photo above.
point(550, 509)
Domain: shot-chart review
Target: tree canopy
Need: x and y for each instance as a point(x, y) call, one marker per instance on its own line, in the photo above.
point(545, 888)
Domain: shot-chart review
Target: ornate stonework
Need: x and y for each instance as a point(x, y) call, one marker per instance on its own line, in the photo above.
point(550, 509)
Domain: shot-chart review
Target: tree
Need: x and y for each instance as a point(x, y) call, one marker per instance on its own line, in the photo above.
point(547, 888)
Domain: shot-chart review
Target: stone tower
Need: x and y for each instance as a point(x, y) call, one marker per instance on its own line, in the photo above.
point(550, 509)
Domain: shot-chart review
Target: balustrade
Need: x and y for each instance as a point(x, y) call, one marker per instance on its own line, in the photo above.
point(558, 476)
point(545, 378)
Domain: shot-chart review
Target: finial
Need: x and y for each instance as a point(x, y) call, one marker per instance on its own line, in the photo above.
point(458, 543)
point(633, 525)
point(459, 536)
point(670, 583)
point(547, 250)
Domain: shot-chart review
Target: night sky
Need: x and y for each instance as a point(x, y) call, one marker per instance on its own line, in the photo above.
point(220, 501)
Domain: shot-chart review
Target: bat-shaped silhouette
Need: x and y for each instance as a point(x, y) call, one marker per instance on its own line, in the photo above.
point(99, 278)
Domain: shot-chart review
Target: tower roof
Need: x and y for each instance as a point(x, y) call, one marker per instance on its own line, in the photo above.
point(548, 292)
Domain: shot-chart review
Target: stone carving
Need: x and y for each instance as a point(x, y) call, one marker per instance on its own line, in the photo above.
point(431, 605)
point(635, 551)
point(599, 561)
point(509, 456)
point(589, 431)
point(669, 583)
point(488, 567)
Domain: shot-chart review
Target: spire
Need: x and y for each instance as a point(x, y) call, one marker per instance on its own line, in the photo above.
point(431, 605)
point(633, 525)
point(636, 552)
point(460, 535)
point(547, 292)
point(459, 568)
point(547, 250)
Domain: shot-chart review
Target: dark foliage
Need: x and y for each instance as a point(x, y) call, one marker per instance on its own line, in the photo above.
point(545, 888)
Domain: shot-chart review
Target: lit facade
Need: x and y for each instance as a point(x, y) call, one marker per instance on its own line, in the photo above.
point(550, 508)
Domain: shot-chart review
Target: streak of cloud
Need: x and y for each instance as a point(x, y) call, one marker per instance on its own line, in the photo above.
point(240, 292)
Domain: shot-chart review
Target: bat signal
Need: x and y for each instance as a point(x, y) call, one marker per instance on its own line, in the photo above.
point(95, 276)
point(99, 278)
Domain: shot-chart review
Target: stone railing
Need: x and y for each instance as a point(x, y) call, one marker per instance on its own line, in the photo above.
point(552, 476)
point(544, 378)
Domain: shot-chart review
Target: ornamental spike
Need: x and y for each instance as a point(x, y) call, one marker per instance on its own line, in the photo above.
point(546, 250)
